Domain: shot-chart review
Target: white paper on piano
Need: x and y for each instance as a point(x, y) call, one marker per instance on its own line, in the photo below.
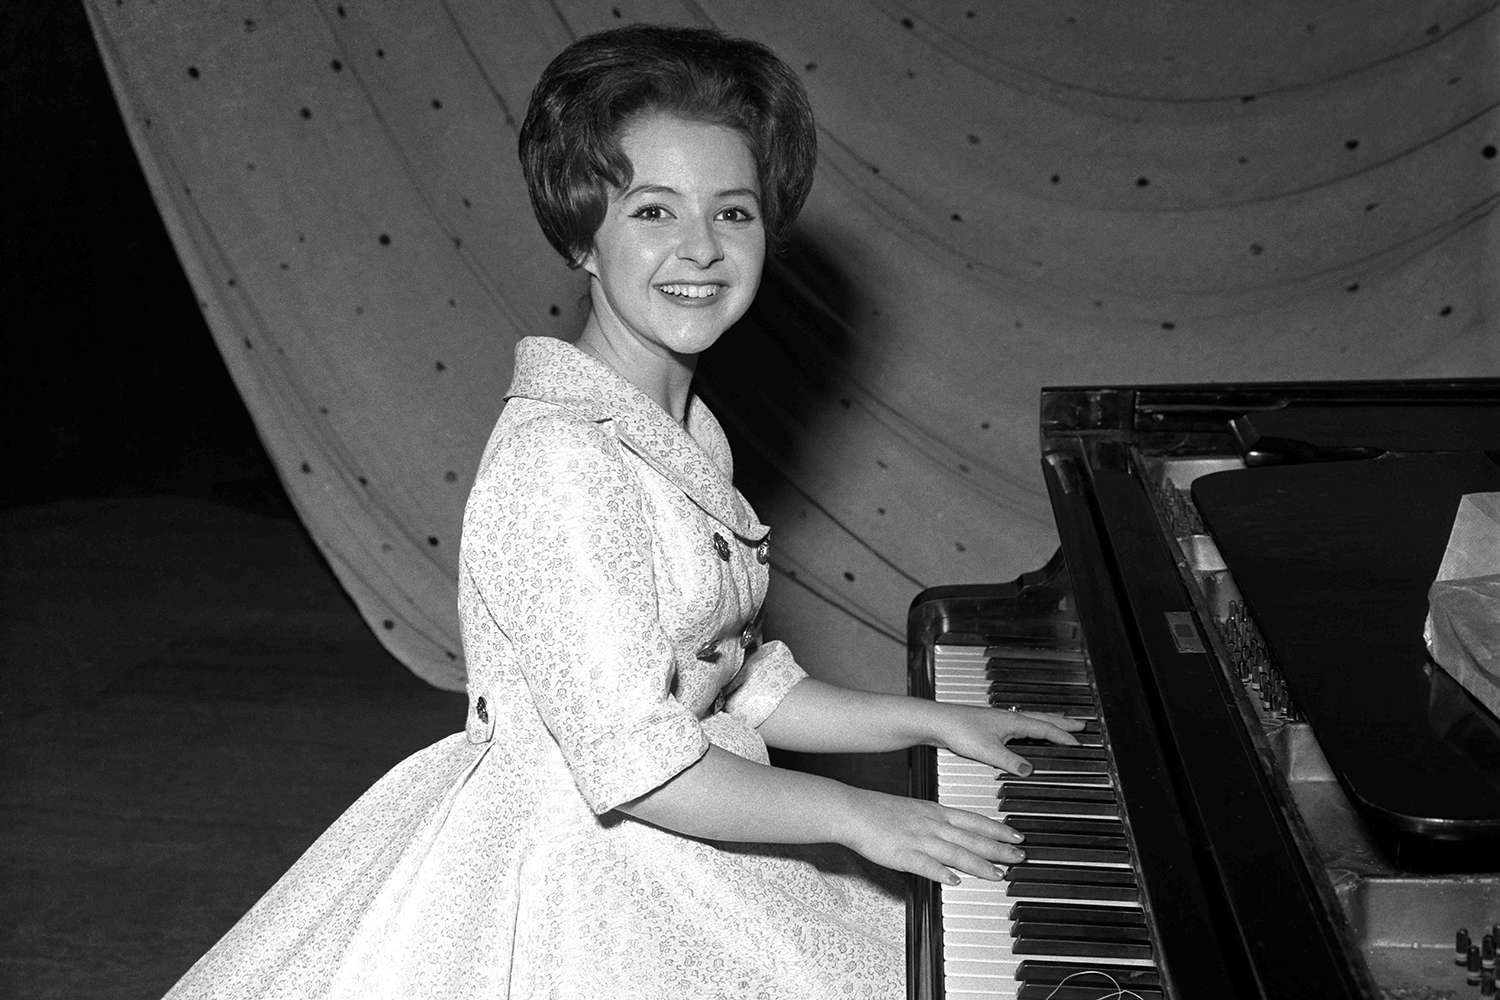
point(1463, 617)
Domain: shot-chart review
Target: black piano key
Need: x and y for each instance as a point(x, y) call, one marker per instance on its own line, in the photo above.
point(1089, 719)
point(1081, 779)
point(1081, 841)
point(1036, 851)
point(1026, 871)
point(1103, 991)
point(1044, 973)
point(1057, 825)
point(1069, 793)
point(1077, 913)
point(1057, 751)
point(1062, 772)
point(1039, 679)
point(1123, 934)
point(1024, 695)
point(1080, 949)
point(1062, 653)
point(1083, 713)
point(1023, 683)
point(1072, 890)
point(1084, 740)
point(1061, 767)
point(1037, 674)
point(1074, 704)
point(1010, 803)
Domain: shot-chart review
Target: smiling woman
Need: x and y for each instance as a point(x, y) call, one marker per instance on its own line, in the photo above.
point(678, 257)
point(608, 823)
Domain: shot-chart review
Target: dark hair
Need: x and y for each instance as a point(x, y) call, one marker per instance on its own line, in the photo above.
point(570, 141)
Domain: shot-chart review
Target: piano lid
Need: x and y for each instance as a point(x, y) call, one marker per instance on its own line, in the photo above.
point(1334, 560)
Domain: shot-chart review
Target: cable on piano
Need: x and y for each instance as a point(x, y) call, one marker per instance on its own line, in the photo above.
point(1119, 994)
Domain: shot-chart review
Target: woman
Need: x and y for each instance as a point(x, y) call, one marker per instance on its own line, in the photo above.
point(608, 825)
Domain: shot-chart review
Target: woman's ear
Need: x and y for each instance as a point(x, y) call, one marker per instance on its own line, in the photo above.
point(589, 263)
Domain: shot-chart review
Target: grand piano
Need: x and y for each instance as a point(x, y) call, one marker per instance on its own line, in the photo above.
point(1279, 794)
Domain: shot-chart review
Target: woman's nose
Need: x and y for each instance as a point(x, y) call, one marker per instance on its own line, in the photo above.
point(700, 244)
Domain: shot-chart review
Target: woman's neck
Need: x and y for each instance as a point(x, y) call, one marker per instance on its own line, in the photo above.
point(667, 380)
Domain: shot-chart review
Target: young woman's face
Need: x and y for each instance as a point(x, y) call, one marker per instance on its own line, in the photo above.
point(678, 257)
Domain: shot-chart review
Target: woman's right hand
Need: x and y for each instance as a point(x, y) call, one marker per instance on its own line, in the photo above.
point(924, 838)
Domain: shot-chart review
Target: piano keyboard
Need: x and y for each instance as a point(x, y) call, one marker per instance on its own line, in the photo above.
point(1073, 905)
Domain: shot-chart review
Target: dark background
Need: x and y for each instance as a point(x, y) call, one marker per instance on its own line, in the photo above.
point(187, 696)
point(112, 383)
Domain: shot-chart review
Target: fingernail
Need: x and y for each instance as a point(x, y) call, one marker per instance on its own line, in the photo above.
point(1023, 769)
point(1000, 871)
point(1016, 836)
point(1019, 857)
point(952, 879)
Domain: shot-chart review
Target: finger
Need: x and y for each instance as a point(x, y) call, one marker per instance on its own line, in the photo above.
point(988, 848)
point(960, 858)
point(1060, 721)
point(983, 826)
point(1043, 726)
point(1007, 759)
point(928, 867)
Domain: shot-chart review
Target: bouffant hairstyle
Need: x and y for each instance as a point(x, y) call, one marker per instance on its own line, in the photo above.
point(589, 94)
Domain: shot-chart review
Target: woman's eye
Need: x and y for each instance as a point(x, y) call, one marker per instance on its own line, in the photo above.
point(650, 213)
point(734, 214)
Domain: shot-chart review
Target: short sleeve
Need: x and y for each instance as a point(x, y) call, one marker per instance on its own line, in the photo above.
point(769, 673)
point(558, 549)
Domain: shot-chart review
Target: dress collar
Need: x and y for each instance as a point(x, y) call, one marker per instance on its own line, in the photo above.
point(696, 460)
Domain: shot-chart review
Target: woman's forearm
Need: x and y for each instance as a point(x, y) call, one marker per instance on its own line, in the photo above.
point(726, 797)
point(817, 717)
point(723, 796)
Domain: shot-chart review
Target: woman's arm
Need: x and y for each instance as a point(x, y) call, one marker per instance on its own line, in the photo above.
point(726, 797)
point(816, 717)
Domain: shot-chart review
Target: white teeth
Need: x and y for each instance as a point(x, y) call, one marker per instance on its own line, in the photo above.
point(692, 291)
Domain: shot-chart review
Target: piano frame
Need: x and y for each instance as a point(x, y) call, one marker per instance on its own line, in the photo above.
point(1213, 829)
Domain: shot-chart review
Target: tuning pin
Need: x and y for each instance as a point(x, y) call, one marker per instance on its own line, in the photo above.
point(1461, 947)
point(1473, 965)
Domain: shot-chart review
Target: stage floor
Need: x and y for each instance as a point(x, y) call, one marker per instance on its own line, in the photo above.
point(187, 700)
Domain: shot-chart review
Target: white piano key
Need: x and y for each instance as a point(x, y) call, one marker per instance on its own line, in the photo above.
point(981, 966)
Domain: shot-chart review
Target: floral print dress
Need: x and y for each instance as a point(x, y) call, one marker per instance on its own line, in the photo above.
point(610, 588)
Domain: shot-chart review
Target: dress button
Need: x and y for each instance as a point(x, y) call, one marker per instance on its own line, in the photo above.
point(481, 711)
point(721, 546)
point(763, 551)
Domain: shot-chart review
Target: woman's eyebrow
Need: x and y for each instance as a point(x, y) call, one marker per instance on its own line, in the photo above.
point(650, 189)
point(666, 189)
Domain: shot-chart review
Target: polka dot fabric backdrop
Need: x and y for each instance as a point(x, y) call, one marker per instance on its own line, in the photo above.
point(1009, 196)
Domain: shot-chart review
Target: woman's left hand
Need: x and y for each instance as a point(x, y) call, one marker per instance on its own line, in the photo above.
point(981, 733)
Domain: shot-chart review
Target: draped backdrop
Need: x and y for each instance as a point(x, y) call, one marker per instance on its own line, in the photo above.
point(1009, 196)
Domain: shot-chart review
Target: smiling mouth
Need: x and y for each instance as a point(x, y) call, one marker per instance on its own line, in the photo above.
point(695, 292)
